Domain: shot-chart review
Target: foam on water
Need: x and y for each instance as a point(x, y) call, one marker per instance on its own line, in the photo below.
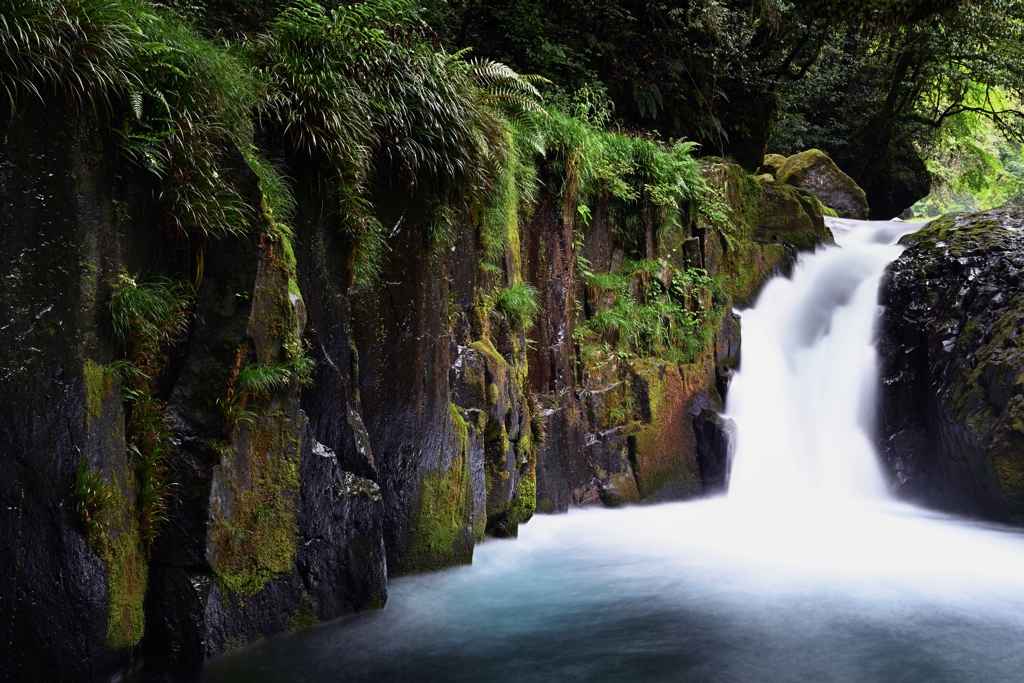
point(807, 571)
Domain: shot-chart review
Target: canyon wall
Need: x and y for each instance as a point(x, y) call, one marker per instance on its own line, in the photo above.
point(316, 437)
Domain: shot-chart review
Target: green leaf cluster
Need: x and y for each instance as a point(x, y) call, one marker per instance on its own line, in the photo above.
point(659, 312)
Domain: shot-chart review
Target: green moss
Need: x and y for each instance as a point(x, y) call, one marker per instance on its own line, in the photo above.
point(460, 428)
point(255, 536)
point(439, 530)
point(97, 385)
point(524, 504)
point(663, 447)
point(127, 579)
point(487, 350)
point(111, 525)
point(771, 164)
point(304, 615)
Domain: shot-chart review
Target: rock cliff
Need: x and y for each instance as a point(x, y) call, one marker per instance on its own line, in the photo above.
point(288, 440)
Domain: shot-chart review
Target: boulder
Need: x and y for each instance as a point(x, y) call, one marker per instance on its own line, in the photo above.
point(894, 178)
point(813, 170)
point(952, 366)
point(771, 164)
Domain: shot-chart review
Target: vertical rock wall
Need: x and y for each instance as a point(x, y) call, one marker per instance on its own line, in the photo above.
point(622, 429)
point(432, 418)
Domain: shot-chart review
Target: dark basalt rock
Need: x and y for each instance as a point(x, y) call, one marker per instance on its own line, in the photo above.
point(715, 446)
point(60, 243)
point(952, 418)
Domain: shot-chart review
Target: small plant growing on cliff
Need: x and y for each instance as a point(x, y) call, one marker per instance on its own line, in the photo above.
point(261, 380)
point(236, 409)
point(520, 304)
point(149, 315)
point(94, 498)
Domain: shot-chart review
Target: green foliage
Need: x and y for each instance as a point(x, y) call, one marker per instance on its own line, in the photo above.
point(263, 380)
point(648, 182)
point(148, 448)
point(179, 98)
point(974, 167)
point(520, 304)
point(80, 48)
point(94, 499)
point(259, 382)
point(148, 316)
point(658, 311)
point(277, 192)
point(874, 95)
point(361, 92)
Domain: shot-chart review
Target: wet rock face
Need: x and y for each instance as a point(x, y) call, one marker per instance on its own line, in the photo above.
point(952, 366)
point(813, 170)
point(59, 244)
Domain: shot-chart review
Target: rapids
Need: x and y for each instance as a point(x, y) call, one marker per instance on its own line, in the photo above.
point(807, 571)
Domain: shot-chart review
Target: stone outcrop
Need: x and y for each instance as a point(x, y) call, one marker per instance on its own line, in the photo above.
point(813, 170)
point(768, 224)
point(952, 369)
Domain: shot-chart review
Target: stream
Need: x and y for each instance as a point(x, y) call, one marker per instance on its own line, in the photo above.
point(807, 571)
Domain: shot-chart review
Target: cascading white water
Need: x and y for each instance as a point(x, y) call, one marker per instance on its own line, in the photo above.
point(806, 571)
point(803, 397)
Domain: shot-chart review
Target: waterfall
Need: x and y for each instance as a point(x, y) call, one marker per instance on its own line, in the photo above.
point(804, 396)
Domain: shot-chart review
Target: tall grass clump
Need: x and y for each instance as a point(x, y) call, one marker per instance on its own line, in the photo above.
point(81, 49)
point(520, 304)
point(362, 93)
point(176, 99)
point(94, 499)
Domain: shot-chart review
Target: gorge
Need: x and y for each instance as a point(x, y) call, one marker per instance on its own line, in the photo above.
point(449, 341)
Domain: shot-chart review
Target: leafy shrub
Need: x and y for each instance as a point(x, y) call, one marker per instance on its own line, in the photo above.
point(646, 180)
point(179, 98)
point(149, 315)
point(659, 311)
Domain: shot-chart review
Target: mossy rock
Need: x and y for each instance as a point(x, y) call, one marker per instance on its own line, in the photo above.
point(771, 164)
point(789, 214)
point(815, 171)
